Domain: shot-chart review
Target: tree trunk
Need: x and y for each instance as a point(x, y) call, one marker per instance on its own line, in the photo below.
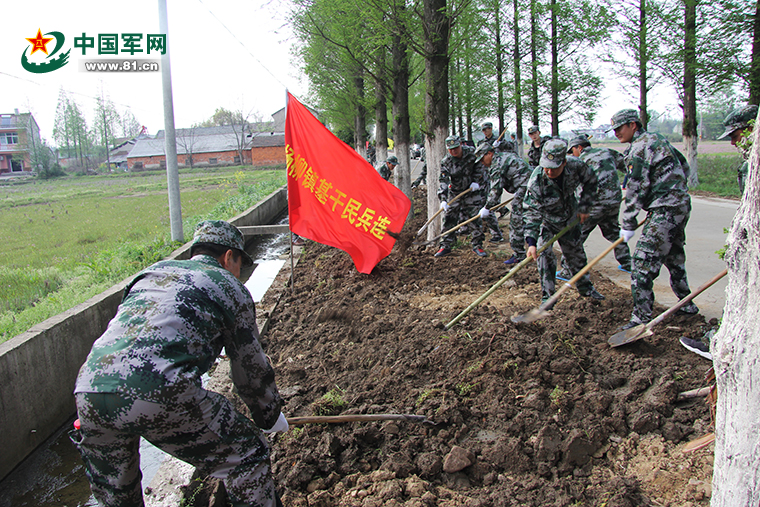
point(499, 71)
point(381, 109)
point(754, 79)
point(437, 33)
point(467, 105)
point(518, 85)
point(555, 70)
point(360, 116)
point(534, 110)
point(400, 110)
point(643, 63)
point(690, 138)
point(735, 349)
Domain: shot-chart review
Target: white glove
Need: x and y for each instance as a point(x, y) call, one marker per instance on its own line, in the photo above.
point(626, 235)
point(484, 212)
point(474, 187)
point(444, 206)
point(280, 425)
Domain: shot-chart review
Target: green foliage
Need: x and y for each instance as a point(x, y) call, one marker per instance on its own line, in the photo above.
point(331, 403)
point(20, 288)
point(717, 174)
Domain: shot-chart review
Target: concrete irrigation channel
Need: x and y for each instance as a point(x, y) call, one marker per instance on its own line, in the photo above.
point(37, 371)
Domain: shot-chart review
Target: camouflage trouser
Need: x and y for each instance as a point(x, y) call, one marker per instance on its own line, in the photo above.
point(607, 220)
point(493, 225)
point(516, 229)
point(205, 431)
point(662, 242)
point(422, 178)
point(458, 213)
point(572, 250)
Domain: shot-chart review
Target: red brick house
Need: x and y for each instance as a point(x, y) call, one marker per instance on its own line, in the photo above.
point(18, 135)
point(210, 146)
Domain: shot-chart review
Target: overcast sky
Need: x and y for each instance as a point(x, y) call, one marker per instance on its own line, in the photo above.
point(224, 53)
point(210, 67)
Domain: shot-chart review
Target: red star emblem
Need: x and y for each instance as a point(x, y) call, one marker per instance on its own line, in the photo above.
point(39, 42)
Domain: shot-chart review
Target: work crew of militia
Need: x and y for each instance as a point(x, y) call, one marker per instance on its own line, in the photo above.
point(550, 205)
point(606, 208)
point(459, 172)
point(656, 182)
point(143, 378)
point(507, 172)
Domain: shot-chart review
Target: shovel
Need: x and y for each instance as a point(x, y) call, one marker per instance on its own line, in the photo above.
point(297, 421)
point(459, 226)
point(509, 275)
point(543, 310)
point(642, 330)
point(430, 220)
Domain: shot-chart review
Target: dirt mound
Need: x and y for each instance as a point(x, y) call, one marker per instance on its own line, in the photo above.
point(530, 414)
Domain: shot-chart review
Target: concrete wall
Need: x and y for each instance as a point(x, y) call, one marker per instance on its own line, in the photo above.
point(38, 368)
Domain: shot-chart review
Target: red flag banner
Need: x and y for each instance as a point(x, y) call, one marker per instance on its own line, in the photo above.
point(334, 196)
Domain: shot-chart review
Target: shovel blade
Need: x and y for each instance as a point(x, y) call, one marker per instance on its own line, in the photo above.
point(629, 335)
point(532, 316)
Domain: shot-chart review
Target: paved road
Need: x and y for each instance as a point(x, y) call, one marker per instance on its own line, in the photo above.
point(704, 235)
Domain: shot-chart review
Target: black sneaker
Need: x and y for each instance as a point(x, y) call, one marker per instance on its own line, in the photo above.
point(594, 294)
point(563, 275)
point(625, 269)
point(688, 309)
point(514, 259)
point(696, 346)
point(496, 239)
point(479, 251)
point(444, 250)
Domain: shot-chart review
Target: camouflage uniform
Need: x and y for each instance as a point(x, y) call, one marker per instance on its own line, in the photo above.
point(739, 119)
point(422, 178)
point(549, 206)
point(656, 183)
point(383, 169)
point(606, 208)
point(534, 154)
point(143, 378)
point(456, 176)
point(511, 173)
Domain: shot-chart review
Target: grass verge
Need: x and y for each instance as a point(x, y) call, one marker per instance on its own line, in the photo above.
point(71, 244)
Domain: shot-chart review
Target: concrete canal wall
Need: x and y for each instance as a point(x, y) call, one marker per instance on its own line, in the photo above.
point(38, 368)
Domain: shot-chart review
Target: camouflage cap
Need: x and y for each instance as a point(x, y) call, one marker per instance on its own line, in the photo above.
point(738, 119)
point(392, 159)
point(506, 146)
point(553, 153)
point(532, 129)
point(452, 142)
point(623, 117)
point(487, 125)
point(481, 151)
point(221, 233)
point(579, 140)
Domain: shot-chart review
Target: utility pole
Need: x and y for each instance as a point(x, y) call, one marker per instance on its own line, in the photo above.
point(170, 139)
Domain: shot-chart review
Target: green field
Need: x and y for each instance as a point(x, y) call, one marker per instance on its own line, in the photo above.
point(67, 240)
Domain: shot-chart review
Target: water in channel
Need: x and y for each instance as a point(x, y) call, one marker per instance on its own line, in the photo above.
point(53, 476)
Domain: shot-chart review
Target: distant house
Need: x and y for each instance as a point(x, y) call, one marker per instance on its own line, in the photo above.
point(18, 135)
point(211, 146)
point(122, 147)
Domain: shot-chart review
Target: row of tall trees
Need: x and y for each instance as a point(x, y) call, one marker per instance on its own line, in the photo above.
point(520, 61)
point(83, 141)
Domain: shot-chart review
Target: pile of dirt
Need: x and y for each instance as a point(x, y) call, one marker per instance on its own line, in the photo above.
point(524, 414)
